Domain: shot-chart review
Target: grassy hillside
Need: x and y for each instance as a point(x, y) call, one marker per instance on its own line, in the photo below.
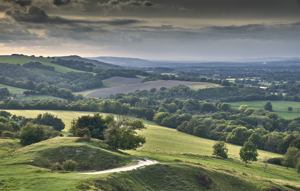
point(19, 166)
point(168, 145)
point(93, 155)
point(18, 59)
point(13, 90)
point(170, 177)
point(183, 156)
point(279, 107)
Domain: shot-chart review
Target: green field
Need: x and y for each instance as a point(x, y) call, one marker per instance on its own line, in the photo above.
point(279, 107)
point(25, 59)
point(13, 90)
point(166, 145)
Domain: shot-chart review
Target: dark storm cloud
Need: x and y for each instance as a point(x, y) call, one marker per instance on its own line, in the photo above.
point(39, 16)
point(61, 2)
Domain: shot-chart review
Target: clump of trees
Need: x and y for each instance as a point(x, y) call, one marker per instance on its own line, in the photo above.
point(91, 125)
point(117, 133)
point(29, 130)
point(121, 135)
point(220, 150)
point(50, 120)
point(33, 133)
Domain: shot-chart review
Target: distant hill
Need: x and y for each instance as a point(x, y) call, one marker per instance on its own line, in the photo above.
point(142, 63)
point(127, 62)
point(55, 76)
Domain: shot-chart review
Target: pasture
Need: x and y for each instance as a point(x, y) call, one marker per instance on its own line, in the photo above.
point(117, 85)
point(279, 107)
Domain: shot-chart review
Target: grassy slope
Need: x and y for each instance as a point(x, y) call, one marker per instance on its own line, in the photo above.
point(13, 90)
point(26, 59)
point(175, 177)
point(17, 174)
point(173, 147)
point(279, 107)
point(169, 145)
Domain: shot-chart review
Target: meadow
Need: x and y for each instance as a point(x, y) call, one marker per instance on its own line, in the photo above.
point(170, 146)
point(279, 107)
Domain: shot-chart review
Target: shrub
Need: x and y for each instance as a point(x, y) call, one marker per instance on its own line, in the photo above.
point(298, 166)
point(220, 150)
point(42, 162)
point(69, 165)
point(8, 134)
point(276, 161)
point(56, 167)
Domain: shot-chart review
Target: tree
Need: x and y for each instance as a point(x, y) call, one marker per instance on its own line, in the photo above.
point(238, 136)
point(220, 150)
point(248, 152)
point(50, 120)
point(95, 124)
point(268, 106)
point(118, 136)
point(32, 133)
point(290, 109)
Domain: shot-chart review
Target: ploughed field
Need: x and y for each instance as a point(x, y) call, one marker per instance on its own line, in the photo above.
point(118, 85)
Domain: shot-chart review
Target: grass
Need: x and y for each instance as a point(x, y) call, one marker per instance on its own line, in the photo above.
point(25, 59)
point(279, 107)
point(173, 148)
point(13, 90)
point(170, 177)
point(16, 173)
point(93, 155)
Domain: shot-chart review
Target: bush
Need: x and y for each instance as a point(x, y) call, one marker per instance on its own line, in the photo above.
point(298, 166)
point(276, 161)
point(7, 134)
point(42, 162)
point(56, 167)
point(220, 150)
point(69, 165)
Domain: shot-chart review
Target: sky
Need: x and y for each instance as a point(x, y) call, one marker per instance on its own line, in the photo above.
point(152, 29)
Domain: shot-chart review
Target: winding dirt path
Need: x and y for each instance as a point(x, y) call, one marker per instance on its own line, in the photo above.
point(140, 164)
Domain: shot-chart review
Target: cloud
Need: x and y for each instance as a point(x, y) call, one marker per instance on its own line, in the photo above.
point(36, 15)
point(61, 2)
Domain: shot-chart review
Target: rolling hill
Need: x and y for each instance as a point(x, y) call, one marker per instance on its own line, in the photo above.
point(178, 152)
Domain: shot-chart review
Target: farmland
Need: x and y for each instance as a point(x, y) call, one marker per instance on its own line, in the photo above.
point(116, 85)
point(279, 107)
